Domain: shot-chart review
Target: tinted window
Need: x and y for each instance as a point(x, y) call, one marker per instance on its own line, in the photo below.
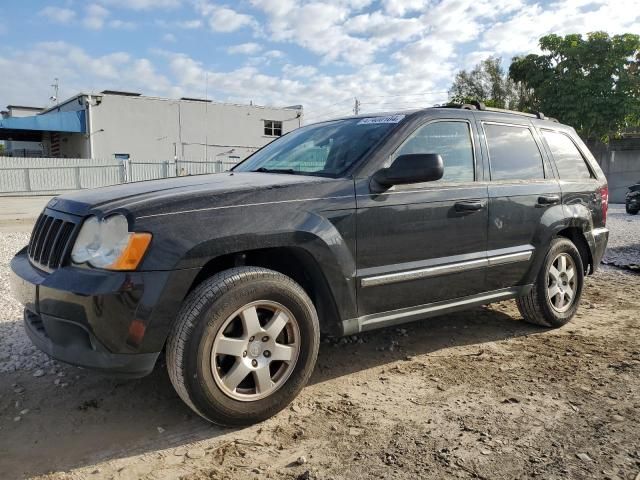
point(568, 158)
point(325, 149)
point(451, 140)
point(513, 153)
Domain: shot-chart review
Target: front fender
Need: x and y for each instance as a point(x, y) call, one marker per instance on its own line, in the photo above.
point(324, 228)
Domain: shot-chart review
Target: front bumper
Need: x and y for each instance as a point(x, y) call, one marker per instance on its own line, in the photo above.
point(116, 322)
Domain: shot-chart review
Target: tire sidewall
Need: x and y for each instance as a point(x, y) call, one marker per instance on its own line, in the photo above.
point(558, 246)
point(204, 392)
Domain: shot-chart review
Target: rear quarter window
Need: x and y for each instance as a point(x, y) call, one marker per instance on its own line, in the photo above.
point(570, 162)
point(513, 153)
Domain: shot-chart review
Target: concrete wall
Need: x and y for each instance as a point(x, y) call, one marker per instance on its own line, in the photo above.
point(147, 128)
point(620, 162)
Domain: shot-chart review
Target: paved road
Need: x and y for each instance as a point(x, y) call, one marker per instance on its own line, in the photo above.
point(17, 214)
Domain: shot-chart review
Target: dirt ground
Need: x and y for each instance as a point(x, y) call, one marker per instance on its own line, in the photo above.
point(477, 394)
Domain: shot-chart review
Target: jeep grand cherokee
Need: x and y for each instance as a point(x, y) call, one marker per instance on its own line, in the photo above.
point(339, 227)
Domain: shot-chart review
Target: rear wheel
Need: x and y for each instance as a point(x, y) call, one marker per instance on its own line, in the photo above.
point(555, 296)
point(244, 345)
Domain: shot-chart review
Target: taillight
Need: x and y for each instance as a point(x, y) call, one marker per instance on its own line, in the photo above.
point(604, 195)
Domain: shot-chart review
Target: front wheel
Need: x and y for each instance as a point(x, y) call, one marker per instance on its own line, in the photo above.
point(555, 295)
point(631, 210)
point(243, 346)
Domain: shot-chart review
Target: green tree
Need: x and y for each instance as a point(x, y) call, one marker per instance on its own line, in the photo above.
point(591, 83)
point(488, 83)
point(1, 149)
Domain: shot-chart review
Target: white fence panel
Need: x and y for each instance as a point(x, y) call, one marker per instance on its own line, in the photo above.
point(53, 175)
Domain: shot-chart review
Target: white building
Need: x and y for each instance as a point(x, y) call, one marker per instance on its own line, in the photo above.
point(130, 126)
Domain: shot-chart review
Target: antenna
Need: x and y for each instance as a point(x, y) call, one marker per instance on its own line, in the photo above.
point(356, 106)
point(56, 86)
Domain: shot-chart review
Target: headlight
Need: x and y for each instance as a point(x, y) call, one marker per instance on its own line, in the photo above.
point(107, 243)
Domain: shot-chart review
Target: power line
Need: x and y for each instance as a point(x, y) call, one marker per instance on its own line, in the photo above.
point(406, 94)
point(329, 114)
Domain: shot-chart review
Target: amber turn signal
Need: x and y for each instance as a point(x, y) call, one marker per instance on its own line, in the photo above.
point(133, 253)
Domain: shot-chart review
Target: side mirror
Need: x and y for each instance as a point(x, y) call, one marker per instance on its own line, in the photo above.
point(411, 168)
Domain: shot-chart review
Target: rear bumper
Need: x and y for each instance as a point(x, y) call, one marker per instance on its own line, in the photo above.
point(598, 245)
point(115, 322)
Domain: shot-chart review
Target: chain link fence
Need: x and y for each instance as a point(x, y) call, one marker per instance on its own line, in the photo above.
point(25, 176)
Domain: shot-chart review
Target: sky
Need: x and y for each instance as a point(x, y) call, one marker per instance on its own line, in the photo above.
point(390, 54)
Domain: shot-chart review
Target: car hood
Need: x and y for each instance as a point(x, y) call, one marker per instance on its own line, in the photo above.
point(191, 192)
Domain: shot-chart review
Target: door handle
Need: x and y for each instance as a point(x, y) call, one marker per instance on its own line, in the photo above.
point(548, 199)
point(469, 205)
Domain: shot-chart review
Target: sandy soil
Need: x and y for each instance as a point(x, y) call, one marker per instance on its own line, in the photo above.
point(477, 394)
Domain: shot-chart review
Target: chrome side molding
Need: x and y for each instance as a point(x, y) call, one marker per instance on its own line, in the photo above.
point(457, 267)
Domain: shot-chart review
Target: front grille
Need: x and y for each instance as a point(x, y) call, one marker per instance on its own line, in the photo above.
point(51, 241)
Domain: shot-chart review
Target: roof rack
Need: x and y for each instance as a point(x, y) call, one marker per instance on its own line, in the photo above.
point(477, 105)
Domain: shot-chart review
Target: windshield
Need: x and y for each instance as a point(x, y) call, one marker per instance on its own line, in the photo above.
point(326, 149)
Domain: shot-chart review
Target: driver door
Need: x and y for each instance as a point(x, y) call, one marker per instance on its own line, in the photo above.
point(425, 242)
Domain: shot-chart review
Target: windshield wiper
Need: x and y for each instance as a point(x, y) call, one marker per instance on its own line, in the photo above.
point(276, 170)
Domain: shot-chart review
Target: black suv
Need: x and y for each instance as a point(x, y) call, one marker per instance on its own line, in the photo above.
point(339, 227)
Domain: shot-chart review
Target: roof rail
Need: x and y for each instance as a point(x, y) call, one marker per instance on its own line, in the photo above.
point(477, 105)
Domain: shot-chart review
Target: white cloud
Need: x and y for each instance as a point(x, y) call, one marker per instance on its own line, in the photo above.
point(224, 19)
point(58, 15)
point(299, 70)
point(249, 48)
point(169, 37)
point(401, 7)
point(395, 54)
point(96, 16)
point(28, 73)
point(190, 24)
point(143, 4)
point(520, 33)
point(275, 54)
point(122, 25)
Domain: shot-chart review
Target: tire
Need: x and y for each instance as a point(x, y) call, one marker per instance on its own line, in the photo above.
point(631, 211)
point(229, 299)
point(536, 306)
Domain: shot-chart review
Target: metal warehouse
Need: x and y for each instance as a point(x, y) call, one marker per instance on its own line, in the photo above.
point(116, 124)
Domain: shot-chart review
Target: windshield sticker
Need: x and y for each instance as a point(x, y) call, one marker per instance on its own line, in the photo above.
point(387, 119)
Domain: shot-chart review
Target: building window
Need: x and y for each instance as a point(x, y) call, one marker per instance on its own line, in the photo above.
point(272, 128)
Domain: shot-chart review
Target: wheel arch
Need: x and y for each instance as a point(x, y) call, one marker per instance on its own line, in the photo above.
point(577, 236)
point(293, 261)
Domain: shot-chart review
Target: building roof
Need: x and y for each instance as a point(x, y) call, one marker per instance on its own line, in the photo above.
point(24, 107)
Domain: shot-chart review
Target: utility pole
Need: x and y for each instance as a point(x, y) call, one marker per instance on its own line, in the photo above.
point(55, 86)
point(356, 106)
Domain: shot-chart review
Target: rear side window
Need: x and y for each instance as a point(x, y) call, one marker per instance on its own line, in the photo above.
point(451, 140)
point(569, 160)
point(513, 153)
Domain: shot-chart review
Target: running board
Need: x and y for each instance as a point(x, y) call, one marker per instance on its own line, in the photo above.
point(419, 312)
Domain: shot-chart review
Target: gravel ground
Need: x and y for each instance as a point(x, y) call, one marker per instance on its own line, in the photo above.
point(16, 351)
point(624, 240)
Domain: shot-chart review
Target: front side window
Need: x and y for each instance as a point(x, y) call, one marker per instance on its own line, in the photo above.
point(324, 149)
point(452, 141)
point(513, 153)
point(273, 128)
point(571, 165)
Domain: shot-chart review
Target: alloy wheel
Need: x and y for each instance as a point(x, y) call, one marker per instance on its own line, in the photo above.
point(255, 350)
point(561, 282)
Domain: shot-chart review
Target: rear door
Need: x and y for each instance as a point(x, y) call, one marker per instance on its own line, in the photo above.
point(578, 182)
point(522, 190)
point(425, 242)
